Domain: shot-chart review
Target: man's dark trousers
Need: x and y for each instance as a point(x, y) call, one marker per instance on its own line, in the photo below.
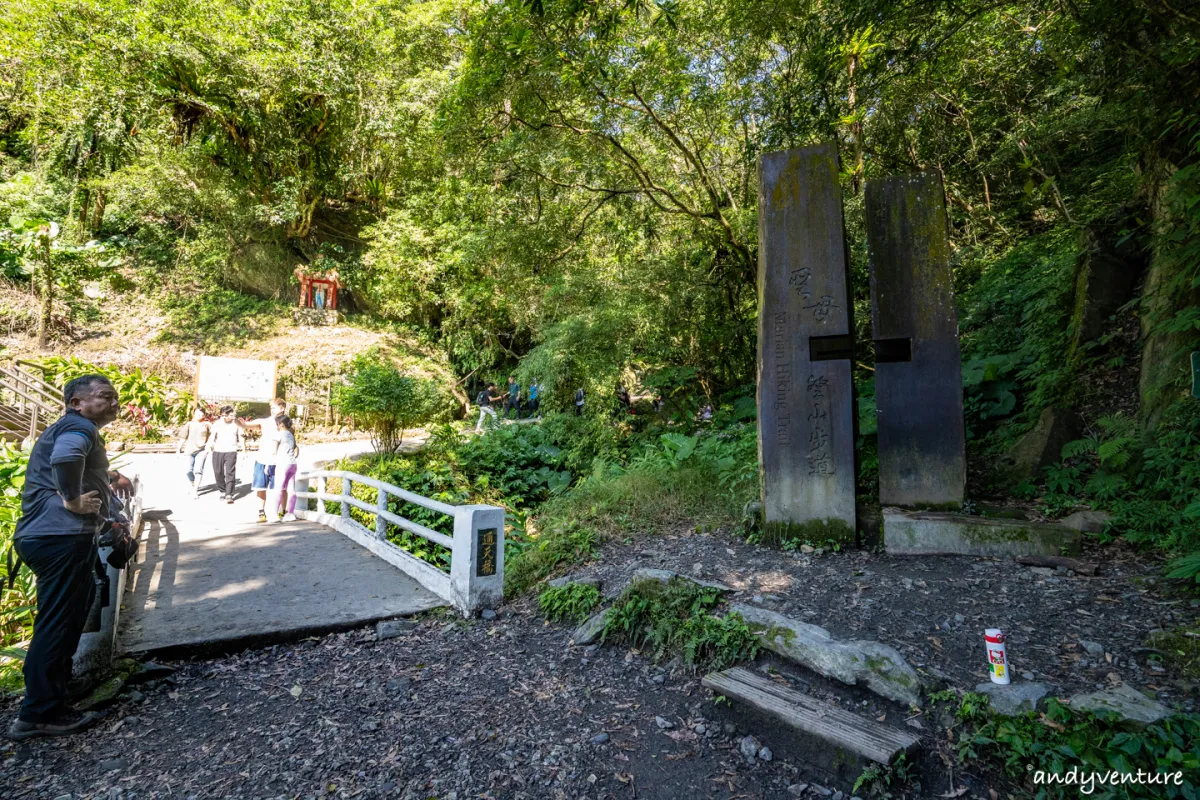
point(225, 471)
point(65, 567)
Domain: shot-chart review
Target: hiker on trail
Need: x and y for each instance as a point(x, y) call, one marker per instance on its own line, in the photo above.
point(67, 494)
point(514, 397)
point(533, 398)
point(285, 470)
point(623, 400)
point(224, 440)
point(484, 400)
point(264, 459)
point(579, 402)
point(193, 443)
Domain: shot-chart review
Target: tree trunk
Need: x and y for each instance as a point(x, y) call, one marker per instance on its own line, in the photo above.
point(856, 128)
point(47, 275)
point(1164, 352)
point(98, 216)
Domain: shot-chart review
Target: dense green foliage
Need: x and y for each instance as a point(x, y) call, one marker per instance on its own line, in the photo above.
point(145, 397)
point(379, 398)
point(567, 191)
point(1061, 740)
point(570, 482)
point(573, 183)
point(17, 602)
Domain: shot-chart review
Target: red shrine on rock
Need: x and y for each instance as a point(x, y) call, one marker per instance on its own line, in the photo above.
point(318, 290)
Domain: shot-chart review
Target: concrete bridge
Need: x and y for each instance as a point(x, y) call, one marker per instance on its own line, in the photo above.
point(210, 578)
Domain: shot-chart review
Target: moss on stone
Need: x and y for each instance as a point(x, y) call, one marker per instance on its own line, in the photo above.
point(814, 531)
point(986, 534)
point(776, 632)
point(883, 667)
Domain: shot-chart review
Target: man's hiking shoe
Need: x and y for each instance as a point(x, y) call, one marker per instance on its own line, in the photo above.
point(69, 723)
point(79, 688)
point(262, 516)
point(229, 498)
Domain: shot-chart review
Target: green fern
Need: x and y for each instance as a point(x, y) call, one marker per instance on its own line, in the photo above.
point(1079, 447)
point(1185, 568)
point(1114, 452)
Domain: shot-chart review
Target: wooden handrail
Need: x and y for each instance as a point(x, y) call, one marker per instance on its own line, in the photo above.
point(53, 412)
point(33, 384)
point(39, 383)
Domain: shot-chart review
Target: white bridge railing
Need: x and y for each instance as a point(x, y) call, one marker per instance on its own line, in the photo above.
point(475, 579)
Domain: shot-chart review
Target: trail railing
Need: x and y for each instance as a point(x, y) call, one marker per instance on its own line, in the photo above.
point(475, 578)
point(96, 649)
point(27, 404)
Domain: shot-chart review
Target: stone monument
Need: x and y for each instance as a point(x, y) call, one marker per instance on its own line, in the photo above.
point(918, 366)
point(806, 412)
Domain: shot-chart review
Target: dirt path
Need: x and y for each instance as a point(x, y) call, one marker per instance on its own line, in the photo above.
point(507, 708)
point(453, 709)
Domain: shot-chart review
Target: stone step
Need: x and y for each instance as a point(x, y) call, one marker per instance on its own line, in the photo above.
point(873, 665)
point(840, 741)
point(925, 533)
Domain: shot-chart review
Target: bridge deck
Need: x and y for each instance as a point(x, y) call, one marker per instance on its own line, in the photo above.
point(209, 577)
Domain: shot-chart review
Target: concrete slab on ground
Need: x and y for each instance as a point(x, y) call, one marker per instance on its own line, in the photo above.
point(211, 578)
point(920, 533)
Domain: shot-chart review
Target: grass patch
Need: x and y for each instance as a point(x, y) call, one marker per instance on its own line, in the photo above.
point(675, 619)
point(218, 319)
point(573, 602)
point(704, 480)
point(1180, 649)
point(1042, 751)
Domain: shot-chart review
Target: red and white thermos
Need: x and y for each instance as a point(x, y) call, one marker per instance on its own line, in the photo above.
point(997, 660)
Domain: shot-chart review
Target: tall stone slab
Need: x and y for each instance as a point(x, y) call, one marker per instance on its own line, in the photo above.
point(806, 411)
point(918, 366)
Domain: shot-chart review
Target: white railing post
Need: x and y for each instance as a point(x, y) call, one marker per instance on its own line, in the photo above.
point(301, 487)
point(477, 558)
point(346, 484)
point(381, 524)
point(321, 487)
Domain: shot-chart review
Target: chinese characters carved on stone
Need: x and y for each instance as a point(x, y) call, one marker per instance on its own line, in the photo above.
point(820, 453)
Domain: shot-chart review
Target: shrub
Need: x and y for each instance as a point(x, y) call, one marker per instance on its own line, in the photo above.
point(572, 601)
point(18, 602)
point(376, 396)
point(674, 619)
point(1059, 740)
point(144, 396)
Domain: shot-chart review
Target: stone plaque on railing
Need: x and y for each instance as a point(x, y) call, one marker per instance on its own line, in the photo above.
point(485, 552)
point(918, 366)
point(805, 390)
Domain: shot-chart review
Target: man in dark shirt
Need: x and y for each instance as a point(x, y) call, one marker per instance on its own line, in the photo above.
point(484, 401)
point(514, 397)
point(66, 496)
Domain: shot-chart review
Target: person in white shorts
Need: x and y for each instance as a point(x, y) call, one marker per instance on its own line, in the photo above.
point(264, 460)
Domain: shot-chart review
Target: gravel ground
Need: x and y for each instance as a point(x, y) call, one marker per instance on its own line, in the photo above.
point(508, 708)
point(934, 609)
point(453, 709)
